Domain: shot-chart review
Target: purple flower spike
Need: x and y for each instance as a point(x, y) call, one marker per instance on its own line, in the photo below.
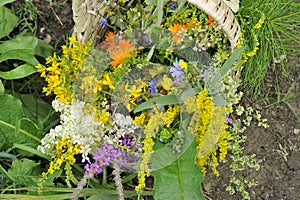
point(105, 155)
point(152, 86)
point(229, 120)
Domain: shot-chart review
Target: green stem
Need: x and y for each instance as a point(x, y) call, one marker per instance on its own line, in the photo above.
point(104, 180)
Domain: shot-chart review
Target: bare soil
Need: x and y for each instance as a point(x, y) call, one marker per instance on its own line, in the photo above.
point(277, 148)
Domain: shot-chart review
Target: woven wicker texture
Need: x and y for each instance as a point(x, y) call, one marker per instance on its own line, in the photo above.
point(223, 15)
point(86, 19)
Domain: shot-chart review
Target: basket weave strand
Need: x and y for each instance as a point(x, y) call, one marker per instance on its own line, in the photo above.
point(218, 10)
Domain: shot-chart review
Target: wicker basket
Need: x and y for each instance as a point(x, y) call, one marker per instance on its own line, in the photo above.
point(223, 15)
point(86, 20)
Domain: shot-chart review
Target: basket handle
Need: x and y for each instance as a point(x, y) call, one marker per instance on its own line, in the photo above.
point(218, 10)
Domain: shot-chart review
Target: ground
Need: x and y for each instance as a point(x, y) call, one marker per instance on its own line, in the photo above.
point(277, 148)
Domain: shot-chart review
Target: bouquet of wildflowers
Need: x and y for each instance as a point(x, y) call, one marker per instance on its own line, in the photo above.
point(153, 96)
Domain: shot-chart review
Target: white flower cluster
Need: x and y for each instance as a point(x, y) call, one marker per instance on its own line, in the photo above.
point(76, 124)
point(121, 126)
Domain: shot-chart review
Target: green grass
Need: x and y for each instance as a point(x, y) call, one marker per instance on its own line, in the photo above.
point(28, 14)
point(279, 35)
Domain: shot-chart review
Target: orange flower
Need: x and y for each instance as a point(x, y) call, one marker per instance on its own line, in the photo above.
point(120, 49)
point(109, 41)
point(175, 32)
point(210, 21)
point(123, 50)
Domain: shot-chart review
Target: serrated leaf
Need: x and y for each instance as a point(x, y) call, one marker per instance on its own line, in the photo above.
point(25, 172)
point(7, 21)
point(19, 72)
point(180, 180)
point(14, 126)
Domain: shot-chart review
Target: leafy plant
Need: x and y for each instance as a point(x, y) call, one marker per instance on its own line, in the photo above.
point(23, 117)
point(274, 26)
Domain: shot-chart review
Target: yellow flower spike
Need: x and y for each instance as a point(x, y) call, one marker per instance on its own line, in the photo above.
point(172, 113)
point(214, 164)
point(144, 168)
point(140, 120)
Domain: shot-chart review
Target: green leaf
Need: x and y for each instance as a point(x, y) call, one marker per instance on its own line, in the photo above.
point(164, 156)
point(160, 101)
point(190, 92)
point(8, 155)
point(19, 72)
point(14, 126)
point(20, 42)
point(1, 88)
point(218, 100)
point(6, 174)
point(26, 55)
point(160, 11)
point(228, 64)
point(180, 180)
point(25, 172)
point(7, 20)
point(3, 2)
point(43, 49)
point(37, 109)
point(31, 150)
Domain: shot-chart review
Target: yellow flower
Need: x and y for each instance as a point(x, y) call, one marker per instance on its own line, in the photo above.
point(107, 81)
point(72, 40)
point(182, 64)
point(143, 167)
point(166, 82)
point(172, 113)
point(140, 120)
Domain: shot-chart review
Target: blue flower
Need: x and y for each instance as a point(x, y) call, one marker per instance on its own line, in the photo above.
point(173, 6)
point(176, 70)
point(103, 22)
point(152, 86)
point(147, 41)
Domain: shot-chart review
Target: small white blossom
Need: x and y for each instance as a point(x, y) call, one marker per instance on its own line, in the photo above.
point(76, 124)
